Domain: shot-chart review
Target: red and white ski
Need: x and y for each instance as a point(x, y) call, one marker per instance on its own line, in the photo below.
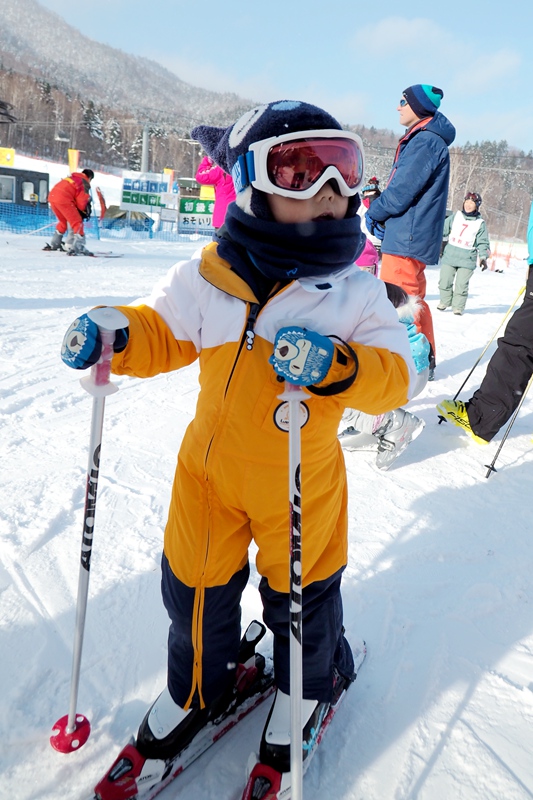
point(133, 777)
point(266, 783)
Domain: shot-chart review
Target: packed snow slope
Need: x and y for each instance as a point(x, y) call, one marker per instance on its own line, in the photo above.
point(439, 581)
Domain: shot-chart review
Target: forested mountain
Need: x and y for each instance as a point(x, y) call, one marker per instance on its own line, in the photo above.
point(37, 42)
point(70, 91)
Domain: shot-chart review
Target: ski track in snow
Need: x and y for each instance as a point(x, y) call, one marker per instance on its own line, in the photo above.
point(439, 578)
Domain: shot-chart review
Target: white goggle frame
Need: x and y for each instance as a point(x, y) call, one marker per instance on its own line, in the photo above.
point(251, 168)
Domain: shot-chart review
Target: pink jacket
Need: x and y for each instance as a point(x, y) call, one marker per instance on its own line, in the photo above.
point(210, 175)
point(369, 257)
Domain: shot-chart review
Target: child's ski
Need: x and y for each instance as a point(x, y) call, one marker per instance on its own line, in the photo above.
point(133, 777)
point(265, 782)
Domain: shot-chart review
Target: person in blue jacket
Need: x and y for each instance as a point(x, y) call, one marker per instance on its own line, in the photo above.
point(508, 373)
point(409, 214)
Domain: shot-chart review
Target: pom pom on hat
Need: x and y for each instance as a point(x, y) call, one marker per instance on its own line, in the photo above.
point(371, 187)
point(225, 145)
point(423, 99)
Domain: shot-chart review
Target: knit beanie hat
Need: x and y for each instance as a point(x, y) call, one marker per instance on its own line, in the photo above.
point(475, 196)
point(225, 145)
point(423, 99)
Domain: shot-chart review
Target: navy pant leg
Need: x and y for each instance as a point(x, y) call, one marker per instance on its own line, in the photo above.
point(221, 626)
point(508, 372)
point(323, 642)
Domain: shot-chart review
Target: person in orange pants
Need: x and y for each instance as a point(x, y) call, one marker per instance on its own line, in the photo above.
point(409, 214)
point(70, 200)
point(409, 273)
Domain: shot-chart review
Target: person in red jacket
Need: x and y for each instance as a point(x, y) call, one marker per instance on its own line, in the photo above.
point(209, 174)
point(70, 200)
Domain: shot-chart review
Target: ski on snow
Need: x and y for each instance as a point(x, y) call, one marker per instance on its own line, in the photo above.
point(96, 254)
point(106, 254)
point(133, 777)
point(266, 783)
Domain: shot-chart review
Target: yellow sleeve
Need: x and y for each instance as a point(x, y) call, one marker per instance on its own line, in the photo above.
point(377, 382)
point(152, 347)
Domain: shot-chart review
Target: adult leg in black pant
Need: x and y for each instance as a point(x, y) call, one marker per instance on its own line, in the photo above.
point(508, 372)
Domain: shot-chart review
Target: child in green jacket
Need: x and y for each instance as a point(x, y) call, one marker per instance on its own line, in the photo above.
point(467, 240)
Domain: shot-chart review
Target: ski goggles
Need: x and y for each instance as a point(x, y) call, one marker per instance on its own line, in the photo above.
point(299, 164)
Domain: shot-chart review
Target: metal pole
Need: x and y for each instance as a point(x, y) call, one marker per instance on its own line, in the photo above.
point(294, 395)
point(72, 731)
point(145, 153)
point(490, 467)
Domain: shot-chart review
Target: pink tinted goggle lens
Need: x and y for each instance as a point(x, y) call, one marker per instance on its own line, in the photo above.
point(298, 164)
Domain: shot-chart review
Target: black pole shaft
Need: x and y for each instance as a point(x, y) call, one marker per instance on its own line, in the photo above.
point(490, 467)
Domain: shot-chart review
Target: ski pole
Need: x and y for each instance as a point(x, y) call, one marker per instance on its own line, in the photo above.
point(294, 395)
point(490, 467)
point(460, 389)
point(72, 731)
point(49, 225)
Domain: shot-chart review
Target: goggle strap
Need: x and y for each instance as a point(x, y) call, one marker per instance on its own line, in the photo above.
point(243, 171)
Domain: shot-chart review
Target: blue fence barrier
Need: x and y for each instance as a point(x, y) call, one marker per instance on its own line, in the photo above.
point(41, 221)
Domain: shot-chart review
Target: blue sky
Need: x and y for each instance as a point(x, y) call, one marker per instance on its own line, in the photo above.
point(352, 58)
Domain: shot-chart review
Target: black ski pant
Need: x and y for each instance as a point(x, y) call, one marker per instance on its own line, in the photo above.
point(508, 372)
point(324, 645)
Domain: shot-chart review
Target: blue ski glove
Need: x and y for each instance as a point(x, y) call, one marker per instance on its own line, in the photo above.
point(419, 348)
point(300, 356)
point(82, 344)
point(374, 228)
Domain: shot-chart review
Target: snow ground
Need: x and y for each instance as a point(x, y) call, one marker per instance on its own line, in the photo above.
point(439, 581)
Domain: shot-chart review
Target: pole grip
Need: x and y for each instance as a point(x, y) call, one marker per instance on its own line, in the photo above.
point(109, 321)
point(102, 369)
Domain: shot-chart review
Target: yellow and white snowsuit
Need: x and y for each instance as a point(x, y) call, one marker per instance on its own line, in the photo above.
point(231, 481)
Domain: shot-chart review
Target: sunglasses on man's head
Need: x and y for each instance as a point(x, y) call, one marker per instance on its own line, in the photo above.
point(403, 102)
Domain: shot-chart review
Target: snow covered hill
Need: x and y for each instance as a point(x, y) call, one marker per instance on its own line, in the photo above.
point(38, 42)
point(439, 580)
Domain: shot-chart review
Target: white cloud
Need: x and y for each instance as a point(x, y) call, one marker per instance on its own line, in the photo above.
point(432, 51)
point(487, 71)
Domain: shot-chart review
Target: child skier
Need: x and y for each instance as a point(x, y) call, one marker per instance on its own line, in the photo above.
point(468, 240)
point(390, 433)
point(285, 254)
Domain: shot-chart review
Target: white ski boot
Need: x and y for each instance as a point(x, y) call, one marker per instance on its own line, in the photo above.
point(56, 243)
point(396, 431)
point(78, 246)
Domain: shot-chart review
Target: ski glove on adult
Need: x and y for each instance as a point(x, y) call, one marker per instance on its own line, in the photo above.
point(82, 343)
point(374, 228)
point(87, 212)
point(483, 264)
point(300, 356)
